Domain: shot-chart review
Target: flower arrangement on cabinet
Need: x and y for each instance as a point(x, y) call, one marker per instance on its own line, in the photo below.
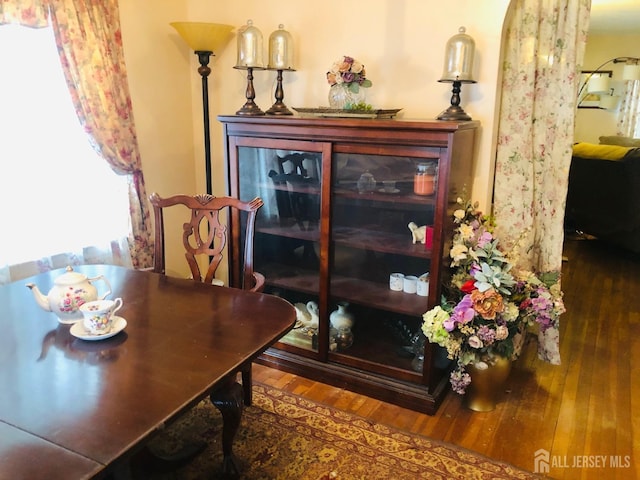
point(488, 304)
point(350, 72)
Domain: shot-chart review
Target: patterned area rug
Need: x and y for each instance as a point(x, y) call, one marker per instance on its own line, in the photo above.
point(284, 436)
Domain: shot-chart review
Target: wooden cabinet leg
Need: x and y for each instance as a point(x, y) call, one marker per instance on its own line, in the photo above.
point(228, 397)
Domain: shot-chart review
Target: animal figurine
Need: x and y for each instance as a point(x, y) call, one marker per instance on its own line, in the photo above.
point(307, 315)
point(418, 234)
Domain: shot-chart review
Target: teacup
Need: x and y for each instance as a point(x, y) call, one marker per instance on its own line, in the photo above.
point(98, 315)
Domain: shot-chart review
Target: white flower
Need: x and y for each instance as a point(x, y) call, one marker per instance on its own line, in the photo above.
point(480, 365)
point(459, 214)
point(458, 252)
point(511, 312)
point(502, 332)
point(475, 342)
point(356, 66)
point(466, 231)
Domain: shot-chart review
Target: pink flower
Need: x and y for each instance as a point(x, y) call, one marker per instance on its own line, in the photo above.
point(484, 239)
point(475, 342)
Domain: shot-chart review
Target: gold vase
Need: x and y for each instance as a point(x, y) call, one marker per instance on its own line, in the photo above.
point(487, 384)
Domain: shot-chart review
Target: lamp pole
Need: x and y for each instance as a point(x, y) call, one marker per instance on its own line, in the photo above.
point(204, 39)
point(204, 70)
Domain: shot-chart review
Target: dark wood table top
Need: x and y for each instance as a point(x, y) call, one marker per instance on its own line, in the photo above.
point(102, 399)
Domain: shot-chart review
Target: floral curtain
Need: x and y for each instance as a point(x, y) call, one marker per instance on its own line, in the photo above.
point(90, 44)
point(629, 116)
point(89, 41)
point(31, 13)
point(544, 46)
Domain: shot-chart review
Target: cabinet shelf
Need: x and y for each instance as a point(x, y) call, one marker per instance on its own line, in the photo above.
point(290, 229)
point(352, 290)
point(291, 278)
point(404, 196)
point(318, 239)
point(362, 238)
point(378, 241)
point(302, 188)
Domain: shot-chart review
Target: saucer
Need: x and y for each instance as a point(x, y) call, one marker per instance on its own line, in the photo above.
point(78, 330)
point(392, 191)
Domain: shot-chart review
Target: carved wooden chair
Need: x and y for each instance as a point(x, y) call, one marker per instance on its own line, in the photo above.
point(204, 237)
point(296, 172)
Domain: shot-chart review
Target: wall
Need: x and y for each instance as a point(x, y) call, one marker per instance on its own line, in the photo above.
point(592, 123)
point(401, 42)
point(160, 83)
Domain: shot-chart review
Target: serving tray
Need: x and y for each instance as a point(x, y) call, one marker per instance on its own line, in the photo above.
point(336, 112)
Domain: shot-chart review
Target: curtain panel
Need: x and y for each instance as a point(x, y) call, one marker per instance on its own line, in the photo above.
point(628, 124)
point(544, 47)
point(29, 13)
point(89, 42)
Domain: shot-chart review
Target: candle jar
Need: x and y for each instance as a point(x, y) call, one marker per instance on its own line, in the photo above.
point(424, 179)
point(344, 338)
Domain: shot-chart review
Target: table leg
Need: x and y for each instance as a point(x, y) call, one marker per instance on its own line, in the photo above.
point(228, 398)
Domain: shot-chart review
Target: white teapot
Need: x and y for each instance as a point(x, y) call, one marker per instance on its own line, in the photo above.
point(70, 290)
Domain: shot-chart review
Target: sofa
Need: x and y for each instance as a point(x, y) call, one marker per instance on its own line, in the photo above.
point(603, 198)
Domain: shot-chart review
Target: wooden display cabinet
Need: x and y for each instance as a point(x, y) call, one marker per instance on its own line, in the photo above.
point(339, 196)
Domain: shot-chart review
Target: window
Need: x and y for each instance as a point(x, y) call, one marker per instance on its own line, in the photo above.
point(57, 194)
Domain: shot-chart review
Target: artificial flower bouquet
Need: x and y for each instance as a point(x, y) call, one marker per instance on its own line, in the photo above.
point(350, 72)
point(487, 304)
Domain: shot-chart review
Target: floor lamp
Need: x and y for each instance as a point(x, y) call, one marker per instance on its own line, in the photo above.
point(205, 39)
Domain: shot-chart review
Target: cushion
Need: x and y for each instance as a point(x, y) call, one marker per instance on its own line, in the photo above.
point(602, 152)
point(619, 140)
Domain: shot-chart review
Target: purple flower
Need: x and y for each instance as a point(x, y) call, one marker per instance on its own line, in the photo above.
point(540, 304)
point(484, 239)
point(462, 313)
point(473, 269)
point(460, 380)
point(348, 77)
point(486, 334)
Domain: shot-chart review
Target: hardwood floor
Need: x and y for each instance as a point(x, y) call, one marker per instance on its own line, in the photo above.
point(586, 407)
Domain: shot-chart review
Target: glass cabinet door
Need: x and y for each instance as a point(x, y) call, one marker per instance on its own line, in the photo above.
point(382, 212)
point(287, 234)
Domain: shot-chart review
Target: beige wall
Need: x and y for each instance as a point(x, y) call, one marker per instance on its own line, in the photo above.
point(401, 42)
point(592, 123)
point(160, 82)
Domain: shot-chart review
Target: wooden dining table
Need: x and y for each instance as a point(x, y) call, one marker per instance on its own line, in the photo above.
point(73, 408)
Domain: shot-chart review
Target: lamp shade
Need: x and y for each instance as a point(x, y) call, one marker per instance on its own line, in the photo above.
point(598, 84)
point(458, 59)
point(631, 72)
point(204, 37)
point(609, 102)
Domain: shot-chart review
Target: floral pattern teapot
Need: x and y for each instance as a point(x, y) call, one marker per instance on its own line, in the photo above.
point(70, 290)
